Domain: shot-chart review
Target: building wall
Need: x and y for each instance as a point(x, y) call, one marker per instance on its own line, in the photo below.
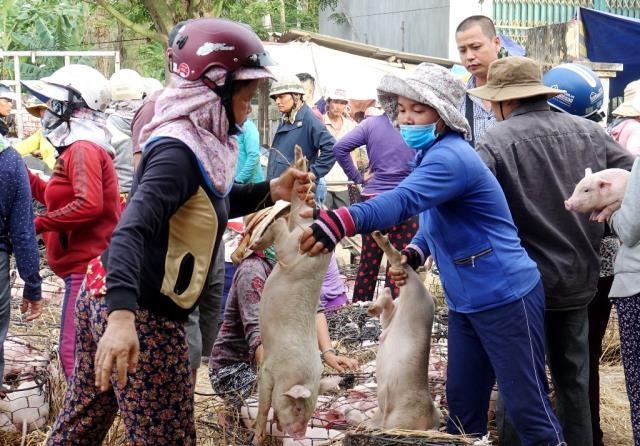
point(416, 26)
point(514, 17)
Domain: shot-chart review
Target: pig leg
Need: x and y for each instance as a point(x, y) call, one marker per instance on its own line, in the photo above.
point(392, 253)
point(383, 307)
point(265, 390)
point(300, 162)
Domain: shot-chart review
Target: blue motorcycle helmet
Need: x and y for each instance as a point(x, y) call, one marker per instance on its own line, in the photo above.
point(584, 93)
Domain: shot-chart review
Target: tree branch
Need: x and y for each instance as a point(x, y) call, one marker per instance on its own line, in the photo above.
point(135, 27)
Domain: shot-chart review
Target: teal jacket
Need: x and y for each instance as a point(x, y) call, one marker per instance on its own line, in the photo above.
point(248, 169)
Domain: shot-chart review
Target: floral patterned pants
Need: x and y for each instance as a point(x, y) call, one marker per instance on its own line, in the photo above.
point(628, 309)
point(156, 404)
point(371, 255)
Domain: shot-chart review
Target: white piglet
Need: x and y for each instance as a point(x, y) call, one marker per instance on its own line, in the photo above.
point(402, 362)
point(289, 376)
point(597, 191)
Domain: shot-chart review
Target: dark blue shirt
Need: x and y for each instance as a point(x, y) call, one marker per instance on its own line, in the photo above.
point(17, 233)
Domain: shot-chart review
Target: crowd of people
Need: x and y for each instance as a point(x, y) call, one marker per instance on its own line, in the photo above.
point(144, 178)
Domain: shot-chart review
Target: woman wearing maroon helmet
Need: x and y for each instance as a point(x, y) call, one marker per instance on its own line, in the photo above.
point(130, 314)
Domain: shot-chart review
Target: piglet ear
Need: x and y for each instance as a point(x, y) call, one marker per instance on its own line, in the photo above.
point(588, 171)
point(603, 184)
point(298, 391)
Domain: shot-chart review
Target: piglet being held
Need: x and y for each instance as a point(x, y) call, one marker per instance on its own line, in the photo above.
point(599, 192)
point(402, 362)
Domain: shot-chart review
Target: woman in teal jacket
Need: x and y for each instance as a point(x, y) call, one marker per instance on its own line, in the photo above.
point(248, 169)
point(493, 288)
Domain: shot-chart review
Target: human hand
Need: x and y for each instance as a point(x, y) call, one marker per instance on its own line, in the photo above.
point(33, 307)
point(282, 187)
point(602, 215)
point(118, 346)
point(399, 274)
point(326, 231)
point(340, 363)
point(368, 175)
point(429, 264)
point(259, 354)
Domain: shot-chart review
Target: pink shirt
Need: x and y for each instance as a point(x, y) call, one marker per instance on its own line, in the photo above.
point(627, 133)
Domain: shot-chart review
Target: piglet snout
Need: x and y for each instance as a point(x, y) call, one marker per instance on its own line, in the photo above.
point(567, 205)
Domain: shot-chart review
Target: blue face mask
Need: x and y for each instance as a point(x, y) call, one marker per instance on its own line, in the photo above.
point(419, 137)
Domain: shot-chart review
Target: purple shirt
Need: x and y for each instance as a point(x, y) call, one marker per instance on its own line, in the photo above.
point(390, 159)
point(333, 287)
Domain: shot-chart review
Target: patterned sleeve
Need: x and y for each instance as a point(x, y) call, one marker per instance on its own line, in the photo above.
point(249, 281)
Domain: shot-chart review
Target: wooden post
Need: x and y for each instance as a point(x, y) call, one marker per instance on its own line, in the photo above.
point(19, 117)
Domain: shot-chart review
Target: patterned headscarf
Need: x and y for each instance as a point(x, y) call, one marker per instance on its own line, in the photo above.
point(83, 125)
point(428, 84)
point(193, 113)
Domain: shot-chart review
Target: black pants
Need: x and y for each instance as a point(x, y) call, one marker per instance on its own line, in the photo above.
point(599, 311)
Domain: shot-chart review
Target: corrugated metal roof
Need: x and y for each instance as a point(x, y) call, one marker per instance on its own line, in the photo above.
point(362, 49)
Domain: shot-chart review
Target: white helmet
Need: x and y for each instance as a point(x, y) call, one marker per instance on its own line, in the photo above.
point(338, 94)
point(72, 80)
point(126, 84)
point(286, 84)
point(151, 85)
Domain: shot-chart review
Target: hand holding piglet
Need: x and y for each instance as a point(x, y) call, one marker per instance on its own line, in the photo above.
point(598, 193)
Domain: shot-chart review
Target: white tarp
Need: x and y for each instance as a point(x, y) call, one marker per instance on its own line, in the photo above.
point(331, 68)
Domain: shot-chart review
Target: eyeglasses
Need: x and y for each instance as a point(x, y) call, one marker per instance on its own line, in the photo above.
point(6, 100)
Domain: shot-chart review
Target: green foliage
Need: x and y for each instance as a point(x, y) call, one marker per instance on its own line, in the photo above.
point(40, 25)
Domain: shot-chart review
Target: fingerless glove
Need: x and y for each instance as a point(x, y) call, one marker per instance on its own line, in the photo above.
point(330, 227)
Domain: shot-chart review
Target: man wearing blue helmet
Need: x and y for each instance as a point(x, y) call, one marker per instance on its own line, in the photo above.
point(538, 156)
point(584, 97)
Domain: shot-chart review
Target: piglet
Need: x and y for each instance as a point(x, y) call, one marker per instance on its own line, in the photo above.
point(597, 191)
point(402, 362)
point(289, 376)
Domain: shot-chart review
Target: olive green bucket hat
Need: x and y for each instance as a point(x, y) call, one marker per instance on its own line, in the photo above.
point(513, 78)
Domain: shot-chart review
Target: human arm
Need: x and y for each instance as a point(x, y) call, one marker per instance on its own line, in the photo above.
point(329, 355)
point(28, 145)
point(249, 282)
point(414, 255)
point(625, 222)
point(438, 178)
point(323, 142)
point(343, 148)
point(23, 238)
point(38, 186)
point(250, 197)
point(84, 169)
point(251, 142)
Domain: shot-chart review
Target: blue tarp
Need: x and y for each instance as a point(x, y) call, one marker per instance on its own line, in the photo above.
point(615, 39)
point(512, 47)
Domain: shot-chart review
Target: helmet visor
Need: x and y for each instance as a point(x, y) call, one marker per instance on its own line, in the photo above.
point(259, 60)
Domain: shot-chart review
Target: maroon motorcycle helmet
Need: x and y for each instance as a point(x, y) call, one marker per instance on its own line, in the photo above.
point(208, 42)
